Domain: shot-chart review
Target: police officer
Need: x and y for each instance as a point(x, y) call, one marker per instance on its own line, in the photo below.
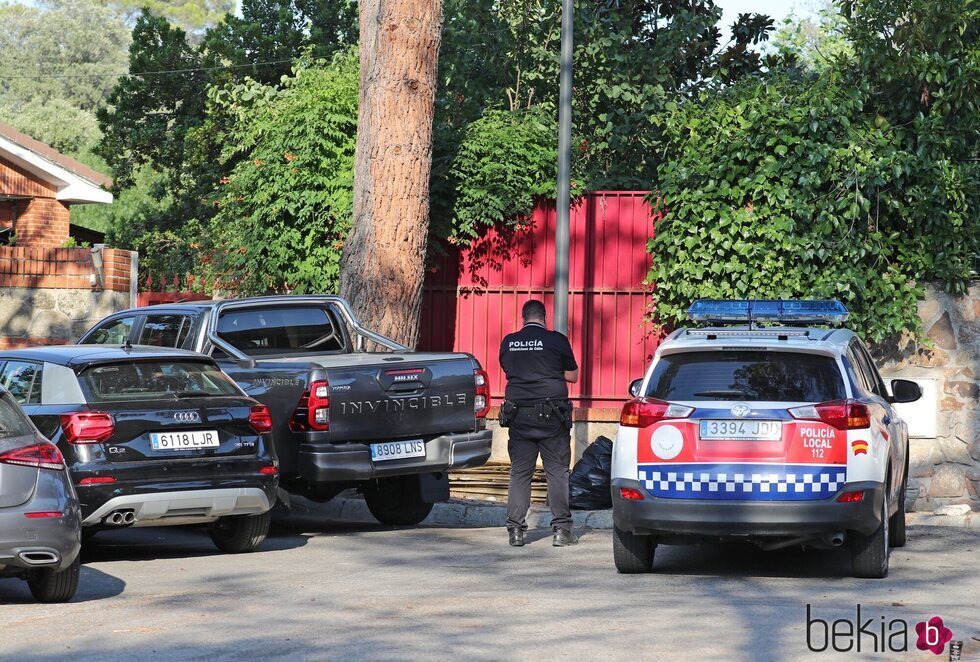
point(538, 364)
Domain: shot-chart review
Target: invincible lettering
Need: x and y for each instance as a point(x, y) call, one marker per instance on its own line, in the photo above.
point(419, 402)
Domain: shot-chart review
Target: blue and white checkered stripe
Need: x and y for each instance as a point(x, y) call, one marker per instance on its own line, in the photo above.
point(759, 482)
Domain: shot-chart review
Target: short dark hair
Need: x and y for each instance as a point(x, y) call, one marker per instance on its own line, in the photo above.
point(533, 310)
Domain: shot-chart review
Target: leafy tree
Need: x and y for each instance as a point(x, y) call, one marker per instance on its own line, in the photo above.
point(191, 16)
point(60, 59)
point(816, 44)
point(285, 207)
point(150, 111)
point(922, 62)
point(631, 58)
point(278, 31)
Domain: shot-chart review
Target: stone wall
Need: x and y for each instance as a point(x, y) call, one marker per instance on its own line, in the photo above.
point(945, 470)
point(52, 316)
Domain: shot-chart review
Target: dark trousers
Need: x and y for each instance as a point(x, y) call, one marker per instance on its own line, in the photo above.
point(556, 453)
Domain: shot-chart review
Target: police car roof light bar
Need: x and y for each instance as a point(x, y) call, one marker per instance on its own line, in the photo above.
point(722, 311)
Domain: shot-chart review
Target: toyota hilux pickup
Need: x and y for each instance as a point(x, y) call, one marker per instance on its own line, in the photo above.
point(389, 422)
point(772, 431)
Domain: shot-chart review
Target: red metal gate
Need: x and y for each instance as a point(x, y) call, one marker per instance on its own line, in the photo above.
point(475, 299)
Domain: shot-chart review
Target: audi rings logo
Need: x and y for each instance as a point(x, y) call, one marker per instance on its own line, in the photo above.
point(741, 409)
point(187, 417)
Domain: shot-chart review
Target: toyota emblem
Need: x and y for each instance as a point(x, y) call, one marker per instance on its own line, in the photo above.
point(741, 410)
point(187, 417)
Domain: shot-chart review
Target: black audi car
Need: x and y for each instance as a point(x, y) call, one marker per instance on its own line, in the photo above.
point(152, 437)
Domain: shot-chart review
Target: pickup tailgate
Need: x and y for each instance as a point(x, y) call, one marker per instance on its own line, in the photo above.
point(384, 399)
point(373, 396)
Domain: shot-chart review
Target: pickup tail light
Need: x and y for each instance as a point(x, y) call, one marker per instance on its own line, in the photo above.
point(259, 419)
point(641, 412)
point(87, 427)
point(42, 456)
point(842, 414)
point(312, 412)
point(481, 399)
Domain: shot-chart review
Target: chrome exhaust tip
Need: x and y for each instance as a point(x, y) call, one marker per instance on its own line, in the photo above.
point(39, 557)
point(114, 518)
point(836, 539)
point(129, 517)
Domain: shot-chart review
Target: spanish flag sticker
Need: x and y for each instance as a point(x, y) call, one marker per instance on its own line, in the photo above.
point(859, 447)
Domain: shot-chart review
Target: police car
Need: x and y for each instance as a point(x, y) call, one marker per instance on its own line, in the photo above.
point(781, 435)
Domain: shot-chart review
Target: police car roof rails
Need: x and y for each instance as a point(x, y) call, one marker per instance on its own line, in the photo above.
point(751, 311)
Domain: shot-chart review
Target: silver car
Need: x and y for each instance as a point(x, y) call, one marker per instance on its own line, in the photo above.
point(40, 521)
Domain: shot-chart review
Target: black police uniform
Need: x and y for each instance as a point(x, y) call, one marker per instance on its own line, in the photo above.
point(534, 360)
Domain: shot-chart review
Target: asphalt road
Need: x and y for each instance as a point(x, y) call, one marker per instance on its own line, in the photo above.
point(367, 592)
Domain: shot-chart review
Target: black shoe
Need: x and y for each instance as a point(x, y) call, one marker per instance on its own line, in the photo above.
point(564, 538)
point(516, 537)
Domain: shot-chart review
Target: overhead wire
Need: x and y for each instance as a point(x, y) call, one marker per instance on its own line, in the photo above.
point(161, 72)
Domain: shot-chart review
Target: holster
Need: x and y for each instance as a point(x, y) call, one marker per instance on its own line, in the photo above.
point(508, 412)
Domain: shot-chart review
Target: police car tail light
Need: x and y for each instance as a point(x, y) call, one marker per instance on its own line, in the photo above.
point(313, 409)
point(630, 494)
point(851, 497)
point(842, 414)
point(481, 400)
point(87, 427)
point(641, 412)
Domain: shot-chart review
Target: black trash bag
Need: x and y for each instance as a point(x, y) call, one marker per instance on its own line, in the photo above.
point(588, 483)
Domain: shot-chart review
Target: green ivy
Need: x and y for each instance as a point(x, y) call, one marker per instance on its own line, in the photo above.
point(784, 189)
point(506, 161)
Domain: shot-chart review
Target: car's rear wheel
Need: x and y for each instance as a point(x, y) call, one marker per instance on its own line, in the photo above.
point(396, 501)
point(869, 553)
point(239, 534)
point(48, 585)
point(896, 525)
point(632, 553)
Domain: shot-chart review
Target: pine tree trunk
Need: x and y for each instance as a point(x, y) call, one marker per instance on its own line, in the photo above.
point(383, 261)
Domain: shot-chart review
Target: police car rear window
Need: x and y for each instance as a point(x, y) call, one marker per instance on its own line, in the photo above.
point(746, 375)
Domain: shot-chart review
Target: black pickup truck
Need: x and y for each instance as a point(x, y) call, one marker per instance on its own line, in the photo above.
point(390, 423)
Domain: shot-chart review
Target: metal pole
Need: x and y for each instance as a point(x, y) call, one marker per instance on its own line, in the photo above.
point(564, 169)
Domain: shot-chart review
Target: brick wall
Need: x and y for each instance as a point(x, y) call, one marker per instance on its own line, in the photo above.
point(15, 181)
point(53, 295)
point(64, 268)
point(43, 223)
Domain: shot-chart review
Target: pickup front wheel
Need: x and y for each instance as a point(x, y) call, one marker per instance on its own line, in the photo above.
point(396, 501)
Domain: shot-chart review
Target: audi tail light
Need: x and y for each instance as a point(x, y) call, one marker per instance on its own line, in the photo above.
point(42, 456)
point(842, 414)
point(312, 412)
point(260, 419)
point(641, 412)
point(87, 427)
point(481, 400)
